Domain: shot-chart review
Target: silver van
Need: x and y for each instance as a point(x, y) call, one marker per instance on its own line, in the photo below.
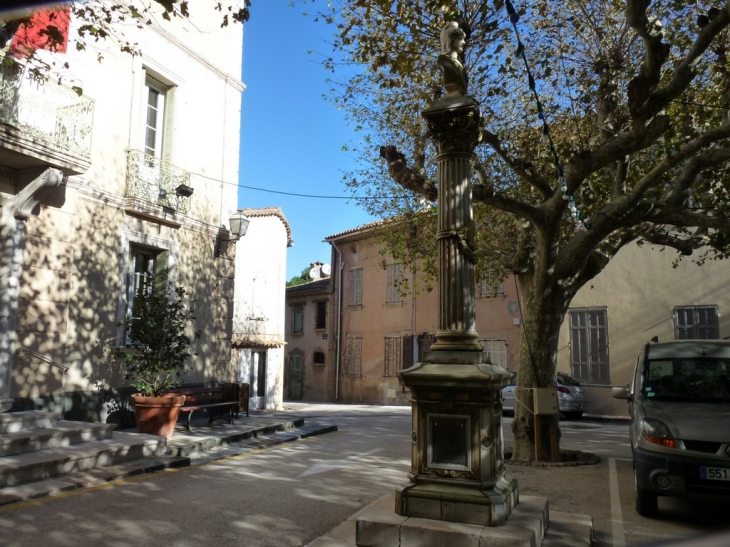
point(679, 402)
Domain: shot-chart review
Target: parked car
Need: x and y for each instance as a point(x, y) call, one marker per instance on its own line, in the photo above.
point(679, 402)
point(572, 400)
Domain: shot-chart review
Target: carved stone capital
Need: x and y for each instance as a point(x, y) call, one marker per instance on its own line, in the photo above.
point(43, 182)
point(453, 124)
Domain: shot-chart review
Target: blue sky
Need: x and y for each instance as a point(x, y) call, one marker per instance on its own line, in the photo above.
point(291, 137)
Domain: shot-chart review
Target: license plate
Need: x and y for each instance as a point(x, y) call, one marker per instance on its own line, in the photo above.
point(715, 473)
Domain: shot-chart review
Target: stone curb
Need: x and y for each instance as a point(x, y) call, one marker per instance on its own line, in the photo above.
point(201, 451)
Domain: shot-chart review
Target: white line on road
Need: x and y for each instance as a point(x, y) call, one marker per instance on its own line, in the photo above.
point(617, 519)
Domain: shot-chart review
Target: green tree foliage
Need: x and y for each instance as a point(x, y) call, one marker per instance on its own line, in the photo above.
point(300, 279)
point(618, 134)
point(158, 343)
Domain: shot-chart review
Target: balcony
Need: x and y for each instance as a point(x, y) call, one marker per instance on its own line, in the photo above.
point(156, 189)
point(43, 125)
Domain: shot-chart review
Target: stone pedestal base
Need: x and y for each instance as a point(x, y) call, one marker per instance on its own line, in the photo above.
point(378, 526)
point(458, 503)
point(457, 460)
point(6, 403)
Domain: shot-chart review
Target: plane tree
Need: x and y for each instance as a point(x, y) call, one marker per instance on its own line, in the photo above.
point(604, 123)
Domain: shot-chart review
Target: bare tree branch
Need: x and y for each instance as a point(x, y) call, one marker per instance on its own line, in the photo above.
point(411, 179)
point(522, 168)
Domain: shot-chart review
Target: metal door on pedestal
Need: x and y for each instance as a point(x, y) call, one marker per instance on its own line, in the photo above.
point(257, 381)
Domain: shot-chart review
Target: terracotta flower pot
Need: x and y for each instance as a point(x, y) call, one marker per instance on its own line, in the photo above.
point(157, 415)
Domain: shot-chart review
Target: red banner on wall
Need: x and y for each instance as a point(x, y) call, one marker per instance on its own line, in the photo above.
point(47, 29)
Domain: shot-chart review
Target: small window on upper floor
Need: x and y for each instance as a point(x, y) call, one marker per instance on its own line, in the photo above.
point(318, 358)
point(158, 119)
point(320, 320)
point(354, 297)
point(395, 283)
point(490, 288)
point(297, 319)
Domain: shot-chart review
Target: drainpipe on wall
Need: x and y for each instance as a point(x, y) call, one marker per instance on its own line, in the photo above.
point(339, 322)
point(414, 339)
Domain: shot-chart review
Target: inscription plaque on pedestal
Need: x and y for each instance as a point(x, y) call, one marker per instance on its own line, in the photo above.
point(449, 445)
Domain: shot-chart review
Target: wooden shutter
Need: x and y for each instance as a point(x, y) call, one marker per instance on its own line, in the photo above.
point(168, 132)
point(407, 352)
point(355, 296)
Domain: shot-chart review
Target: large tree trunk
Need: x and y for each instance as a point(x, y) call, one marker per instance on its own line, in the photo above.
point(542, 315)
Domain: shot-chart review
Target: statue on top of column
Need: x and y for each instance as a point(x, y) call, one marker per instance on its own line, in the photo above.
point(453, 40)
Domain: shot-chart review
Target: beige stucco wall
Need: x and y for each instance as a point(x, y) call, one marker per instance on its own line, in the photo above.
point(416, 315)
point(317, 379)
point(77, 244)
point(640, 289)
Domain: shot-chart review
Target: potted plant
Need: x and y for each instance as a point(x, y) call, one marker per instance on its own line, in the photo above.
point(156, 353)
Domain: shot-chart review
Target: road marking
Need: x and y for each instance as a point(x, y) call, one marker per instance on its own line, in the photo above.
point(336, 464)
point(617, 519)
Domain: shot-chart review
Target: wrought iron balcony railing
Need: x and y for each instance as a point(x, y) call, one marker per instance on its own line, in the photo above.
point(157, 181)
point(48, 112)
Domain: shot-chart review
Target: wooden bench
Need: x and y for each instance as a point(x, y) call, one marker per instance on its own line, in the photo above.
point(200, 398)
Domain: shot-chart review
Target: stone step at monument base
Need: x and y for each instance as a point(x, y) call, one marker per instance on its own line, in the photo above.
point(531, 524)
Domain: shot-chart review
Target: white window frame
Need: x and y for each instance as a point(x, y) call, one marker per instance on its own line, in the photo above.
point(153, 86)
point(589, 352)
point(128, 241)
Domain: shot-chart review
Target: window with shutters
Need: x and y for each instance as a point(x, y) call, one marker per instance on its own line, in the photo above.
point(395, 281)
point(146, 273)
point(589, 345)
point(320, 319)
point(353, 356)
point(297, 319)
point(491, 287)
point(696, 322)
point(398, 355)
point(354, 295)
point(496, 350)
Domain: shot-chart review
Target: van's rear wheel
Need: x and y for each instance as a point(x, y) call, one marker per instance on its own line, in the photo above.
point(646, 502)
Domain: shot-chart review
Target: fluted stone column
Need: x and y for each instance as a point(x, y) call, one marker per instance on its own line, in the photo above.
point(454, 127)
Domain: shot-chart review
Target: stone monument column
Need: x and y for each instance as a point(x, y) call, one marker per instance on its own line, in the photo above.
point(454, 127)
point(457, 457)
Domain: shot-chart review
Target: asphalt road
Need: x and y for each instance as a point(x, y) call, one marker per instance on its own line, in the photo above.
point(293, 493)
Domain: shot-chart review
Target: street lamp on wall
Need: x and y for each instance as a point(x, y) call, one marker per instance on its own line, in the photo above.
point(239, 225)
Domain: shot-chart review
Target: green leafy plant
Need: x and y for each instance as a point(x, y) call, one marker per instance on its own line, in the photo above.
point(158, 346)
